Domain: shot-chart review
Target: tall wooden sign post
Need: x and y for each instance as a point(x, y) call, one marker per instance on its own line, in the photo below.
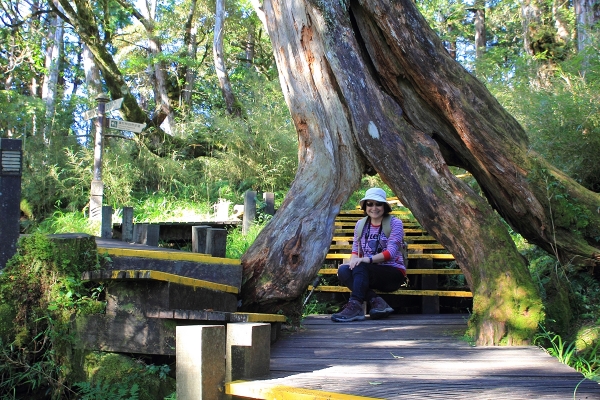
point(97, 189)
point(101, 122)
point(10, 197)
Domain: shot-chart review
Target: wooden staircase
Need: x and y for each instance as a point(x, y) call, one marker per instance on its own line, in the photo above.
point(431, 270)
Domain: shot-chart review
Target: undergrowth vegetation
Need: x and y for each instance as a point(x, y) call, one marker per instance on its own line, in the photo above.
point(41, 293)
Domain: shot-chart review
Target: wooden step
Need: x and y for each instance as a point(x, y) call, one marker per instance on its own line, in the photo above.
point(408, 238)
point(411, 246)
point(405, 292)
point(409, 271)
point(413, 256)
point(212, 315)
point(350, 231)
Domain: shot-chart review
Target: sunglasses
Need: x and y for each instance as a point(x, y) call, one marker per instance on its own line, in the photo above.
point(374, 203)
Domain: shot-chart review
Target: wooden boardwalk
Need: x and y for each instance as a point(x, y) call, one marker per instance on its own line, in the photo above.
point(410, 357)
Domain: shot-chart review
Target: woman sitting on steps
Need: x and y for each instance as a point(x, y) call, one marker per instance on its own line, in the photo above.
point(376, 262)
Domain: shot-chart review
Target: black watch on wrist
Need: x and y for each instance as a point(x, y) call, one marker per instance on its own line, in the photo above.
point(370, 260)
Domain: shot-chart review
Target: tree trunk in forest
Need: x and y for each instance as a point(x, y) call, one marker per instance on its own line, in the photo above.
point(587, 15)
point(531, 16)
point(371, 86)
point(54, 51)
point(250, 45)
point(164, 114)
point(560, 14)
point(190, 41)
point(233, 108)
point(480, 33)
point(91, 73)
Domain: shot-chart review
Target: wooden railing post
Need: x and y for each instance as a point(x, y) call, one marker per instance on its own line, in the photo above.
point(199, 233)
point(249, 211)
point(147, 234)
point(200, 357)
point(269, 198)
point(127, 225)
point(106, 224)
point(216, 242)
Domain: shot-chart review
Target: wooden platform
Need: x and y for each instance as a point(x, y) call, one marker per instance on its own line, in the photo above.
point(408, 357)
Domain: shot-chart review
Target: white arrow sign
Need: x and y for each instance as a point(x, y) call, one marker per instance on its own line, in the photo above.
point(113, 105)
point(89, 114)
point(110, 106)
point(125, 125)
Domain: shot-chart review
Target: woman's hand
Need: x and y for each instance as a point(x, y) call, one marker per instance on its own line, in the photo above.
point(354, 261)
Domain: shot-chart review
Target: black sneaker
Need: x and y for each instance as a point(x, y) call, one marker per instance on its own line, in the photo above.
point(379, 308)
point(352, 311)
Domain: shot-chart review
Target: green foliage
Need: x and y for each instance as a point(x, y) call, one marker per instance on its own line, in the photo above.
point(116, 376)
point(168, 207)
point(588, 362)
point(40, 291)
point(258, 152)
point(238, 243)
point(69, 222)
point(560, 112)
point(314, 306)
point(17, 112)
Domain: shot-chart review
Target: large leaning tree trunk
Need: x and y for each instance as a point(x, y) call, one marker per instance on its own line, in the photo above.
point(369, 85)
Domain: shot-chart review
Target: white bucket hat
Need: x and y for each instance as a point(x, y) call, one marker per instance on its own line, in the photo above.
point(375, 194)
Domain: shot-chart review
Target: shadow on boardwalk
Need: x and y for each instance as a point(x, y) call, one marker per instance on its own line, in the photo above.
point(418, 356)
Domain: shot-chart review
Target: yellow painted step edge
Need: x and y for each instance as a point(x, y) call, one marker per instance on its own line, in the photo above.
point(258, 317)
point(407, 292)
point(167, 255)
point(411, 271)
point(183, 280)
point(410, 256)
point(263, 391)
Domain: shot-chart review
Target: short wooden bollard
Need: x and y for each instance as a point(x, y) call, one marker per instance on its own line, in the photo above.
point(216, 242)
point(249, 211)
point(199, 233)
point(127, 225)
point(147, 234)
point(200, 358)
point(248, 350)
point(106, 224)
point(269, 198)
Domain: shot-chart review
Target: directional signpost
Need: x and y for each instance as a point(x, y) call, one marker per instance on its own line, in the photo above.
point(125, 125)
point(110, 106)
point(104, 106)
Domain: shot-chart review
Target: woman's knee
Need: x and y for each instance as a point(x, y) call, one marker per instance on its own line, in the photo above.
point(344, 273)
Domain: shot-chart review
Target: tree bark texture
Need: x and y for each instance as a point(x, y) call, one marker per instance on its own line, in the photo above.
point(587, 15)
point(233, 108)
point(190, 40)
point(370, 80)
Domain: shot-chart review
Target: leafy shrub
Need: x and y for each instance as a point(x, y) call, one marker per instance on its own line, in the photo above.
point(116, 376)
point(40, 290)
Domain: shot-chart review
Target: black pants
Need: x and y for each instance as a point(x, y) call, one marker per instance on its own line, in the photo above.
point(365, 278)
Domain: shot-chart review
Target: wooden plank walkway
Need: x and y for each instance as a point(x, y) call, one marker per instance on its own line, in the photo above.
point(409, 357)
